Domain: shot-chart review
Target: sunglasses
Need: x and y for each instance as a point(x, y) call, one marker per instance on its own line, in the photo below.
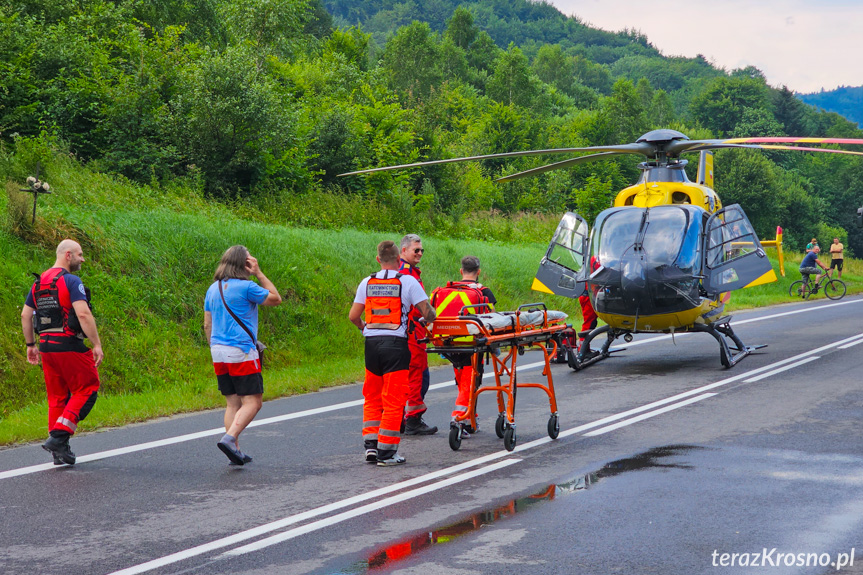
point(419, 250)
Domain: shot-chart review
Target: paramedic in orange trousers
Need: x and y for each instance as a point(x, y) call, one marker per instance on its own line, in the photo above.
point(448, 301)
point(412, 250)
point(62, 311)
point(385, 299)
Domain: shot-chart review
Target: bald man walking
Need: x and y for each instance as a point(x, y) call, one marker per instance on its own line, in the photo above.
point(57, 311)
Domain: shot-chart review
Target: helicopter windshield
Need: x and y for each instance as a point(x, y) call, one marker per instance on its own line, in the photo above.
point(667, 235)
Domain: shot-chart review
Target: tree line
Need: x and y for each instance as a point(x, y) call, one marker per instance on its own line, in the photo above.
point(273, 98)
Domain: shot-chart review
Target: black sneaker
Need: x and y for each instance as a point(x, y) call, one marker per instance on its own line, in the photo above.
point(371, 455)
point(246, 459)
point(59, 448)
point(416, 426)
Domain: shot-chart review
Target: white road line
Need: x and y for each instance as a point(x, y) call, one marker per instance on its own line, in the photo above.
point(796, 311)
point(311, 513)
point(781, 369)
point(316, 525)
point(347, 404)
point(300, 517)
point(273, 526)
point(648, 415)
point(707, 387)
point(852, 344)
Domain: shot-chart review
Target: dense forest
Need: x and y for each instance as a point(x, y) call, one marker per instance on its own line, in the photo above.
point(266, 101)
point(844, 100)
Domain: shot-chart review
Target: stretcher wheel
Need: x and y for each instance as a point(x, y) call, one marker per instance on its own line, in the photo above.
point(509, 438)
point(455, 437)
point(553, 427)
point(500, 425)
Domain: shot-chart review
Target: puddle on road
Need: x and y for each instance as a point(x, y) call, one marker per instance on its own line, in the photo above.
point(386, 556)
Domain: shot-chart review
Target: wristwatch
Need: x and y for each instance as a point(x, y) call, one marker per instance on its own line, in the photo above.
point(30, 344)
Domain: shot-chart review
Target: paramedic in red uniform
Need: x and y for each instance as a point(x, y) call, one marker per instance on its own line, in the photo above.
point(418, 376)
point(63, 318)
point(448, 301)
point(385, 299)
point(233, 347)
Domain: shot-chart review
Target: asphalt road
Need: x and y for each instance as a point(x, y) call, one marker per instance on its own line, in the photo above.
point(665, 463)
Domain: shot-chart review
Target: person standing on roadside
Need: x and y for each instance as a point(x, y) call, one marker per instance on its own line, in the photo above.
point(836, 257)
point(386, 298)
point(60, 305)
point(411, 253)
point(233, 346)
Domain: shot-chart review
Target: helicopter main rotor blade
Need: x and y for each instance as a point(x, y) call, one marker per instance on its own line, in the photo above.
point(793, 140)
point(642, 148)
point(679, 147)
point(702, 147)
point(559, 165)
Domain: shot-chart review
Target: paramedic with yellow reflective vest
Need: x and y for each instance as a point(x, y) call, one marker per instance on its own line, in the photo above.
point(60, 306)
point(385, 299)
point(448, 301)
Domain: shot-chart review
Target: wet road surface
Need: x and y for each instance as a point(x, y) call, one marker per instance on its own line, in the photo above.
point(665, 463)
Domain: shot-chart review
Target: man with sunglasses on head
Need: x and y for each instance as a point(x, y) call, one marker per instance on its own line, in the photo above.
point(410, 255)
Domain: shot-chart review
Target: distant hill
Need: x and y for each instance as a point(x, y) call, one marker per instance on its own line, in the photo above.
point(846, 101)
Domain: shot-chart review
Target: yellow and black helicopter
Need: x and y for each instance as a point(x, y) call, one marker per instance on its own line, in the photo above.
point(665, 257)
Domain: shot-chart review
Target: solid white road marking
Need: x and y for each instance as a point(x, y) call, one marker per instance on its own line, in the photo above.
point(320, 524)
point(781, 369)
point(293, 519)
point(649, 414)
point(852, 344)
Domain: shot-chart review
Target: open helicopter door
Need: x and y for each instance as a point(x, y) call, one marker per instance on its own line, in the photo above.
point(560, 269)
point(733, 256)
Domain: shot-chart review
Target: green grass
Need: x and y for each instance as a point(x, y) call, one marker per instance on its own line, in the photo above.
point(150, 255)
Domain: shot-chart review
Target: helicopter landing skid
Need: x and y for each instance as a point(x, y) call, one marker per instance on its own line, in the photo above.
point(585, 356)
point(722, 332)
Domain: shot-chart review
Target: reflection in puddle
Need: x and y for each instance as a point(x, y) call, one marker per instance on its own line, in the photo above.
point(405, 548)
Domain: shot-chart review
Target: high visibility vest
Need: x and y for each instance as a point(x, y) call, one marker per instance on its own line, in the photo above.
point(384, 302)
point(449, 300)
point(52, 317)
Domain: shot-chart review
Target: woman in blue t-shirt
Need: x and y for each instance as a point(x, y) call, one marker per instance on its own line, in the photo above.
point(233, 300)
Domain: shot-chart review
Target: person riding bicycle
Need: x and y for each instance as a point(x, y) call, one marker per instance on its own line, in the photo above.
point(807, 267)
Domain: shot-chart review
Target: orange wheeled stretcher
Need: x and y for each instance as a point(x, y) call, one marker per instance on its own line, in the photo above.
point(476, 334)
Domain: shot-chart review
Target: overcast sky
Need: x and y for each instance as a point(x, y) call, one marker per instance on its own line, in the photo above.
point(805, 45)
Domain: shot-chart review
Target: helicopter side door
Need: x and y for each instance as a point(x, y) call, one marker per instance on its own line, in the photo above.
point(733, 256)
point(565, 259)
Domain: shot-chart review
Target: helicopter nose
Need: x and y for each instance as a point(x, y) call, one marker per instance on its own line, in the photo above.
point(633, 277)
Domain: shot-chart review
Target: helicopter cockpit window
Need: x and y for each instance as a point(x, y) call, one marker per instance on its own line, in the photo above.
point(660, 234)
point(731, 237)
point(567, 246)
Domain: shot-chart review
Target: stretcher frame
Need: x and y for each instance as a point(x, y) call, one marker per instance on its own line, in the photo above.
point(449, 338)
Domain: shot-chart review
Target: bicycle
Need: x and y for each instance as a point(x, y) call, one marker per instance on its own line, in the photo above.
point(833, 288)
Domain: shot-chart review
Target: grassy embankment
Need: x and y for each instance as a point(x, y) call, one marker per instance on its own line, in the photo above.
point(150, 256)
